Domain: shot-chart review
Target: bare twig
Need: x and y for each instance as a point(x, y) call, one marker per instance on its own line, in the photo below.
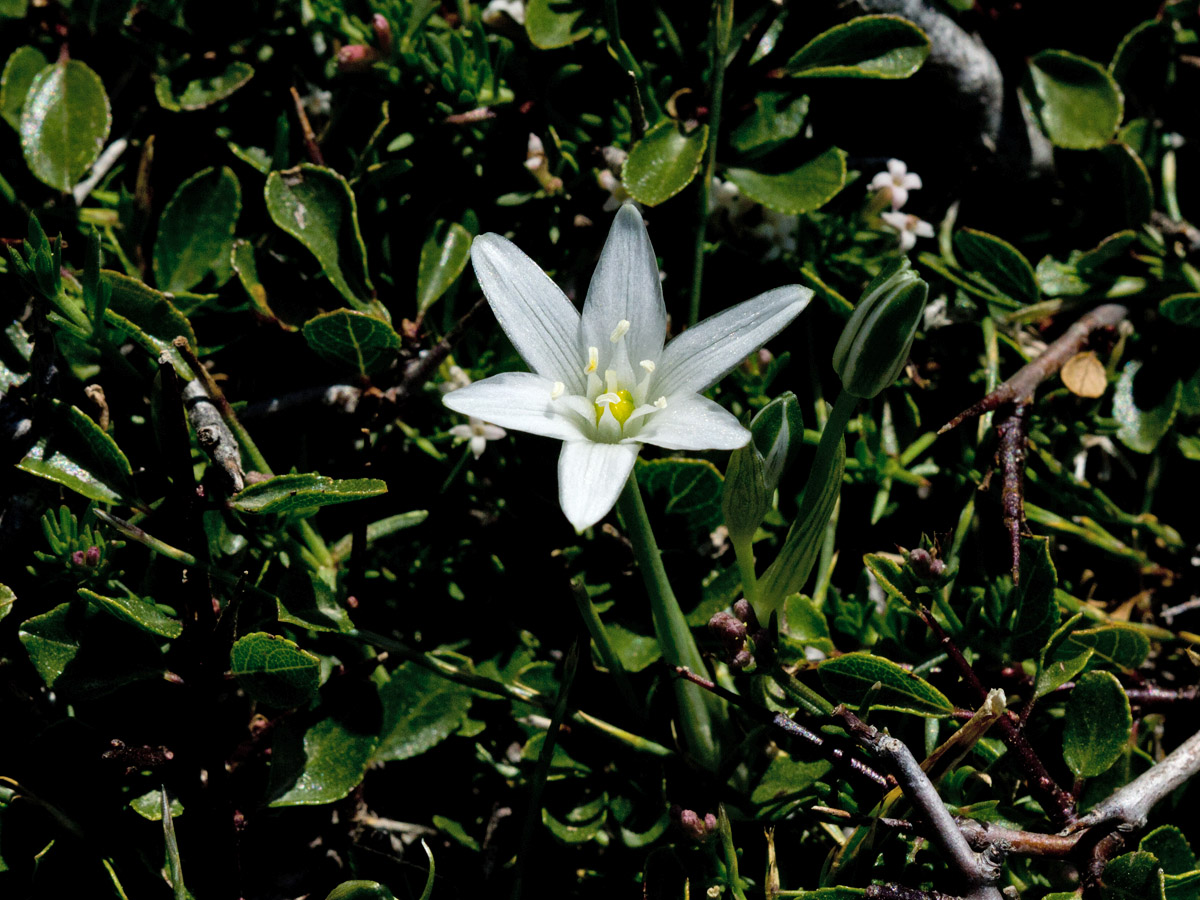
point(419, 371)
point(1013, 429)
point(213, 434)
point(981, 835)
point(310, 137)
point(900, 892)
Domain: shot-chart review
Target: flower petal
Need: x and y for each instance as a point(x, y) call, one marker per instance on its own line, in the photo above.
point(693, 422)
point(699, 357)
point(590, 478)
point(537, 316)
point(625, 285)
point(517, 400)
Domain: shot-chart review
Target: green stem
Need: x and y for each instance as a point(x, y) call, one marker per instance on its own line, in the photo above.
point(832, 434)
point(722, 26)
point(599, 634)
point(743, 553)
point(696, 707)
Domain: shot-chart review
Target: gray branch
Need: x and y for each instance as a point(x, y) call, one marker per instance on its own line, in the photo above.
point(213, 434)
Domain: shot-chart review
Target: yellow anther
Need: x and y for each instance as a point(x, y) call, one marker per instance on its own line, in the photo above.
point(557, 390)
point(648, 365)
point(593, 361)
point(620, 331)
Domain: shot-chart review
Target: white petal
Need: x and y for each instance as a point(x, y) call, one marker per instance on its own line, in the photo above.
point(590, 478)
point(699, 357)
point(693, 422)
point(626, 286)
point(517, 400)
point(899, 196)
point(908, 240)
point(923, 229)
point(912, 181)
point(478, 445)
point(537, 316)
point(881, 180)
point(897, 167)
point(492, 432)
point(461, 431)
point(897, 220)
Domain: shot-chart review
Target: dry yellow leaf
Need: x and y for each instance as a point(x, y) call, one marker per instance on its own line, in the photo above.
point(1084, 375)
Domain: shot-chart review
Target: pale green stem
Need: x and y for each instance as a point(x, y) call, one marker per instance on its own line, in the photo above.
point(599, 634)
point(696, 706)
point(743, 553)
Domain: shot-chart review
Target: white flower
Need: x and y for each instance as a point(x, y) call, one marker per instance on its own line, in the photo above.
point(602, 382)
point(909, 227)
point(515, 9)
point(898, 180)
point(478, 433)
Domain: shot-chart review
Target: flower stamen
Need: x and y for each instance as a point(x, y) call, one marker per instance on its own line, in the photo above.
point(661, 402)
point(648, 365)
point(557, 390)
point(620, 331)
point(593, 362)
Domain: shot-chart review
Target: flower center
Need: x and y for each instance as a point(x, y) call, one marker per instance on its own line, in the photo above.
point(619, 402)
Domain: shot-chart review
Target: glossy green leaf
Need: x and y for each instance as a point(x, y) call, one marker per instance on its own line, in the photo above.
point(444, 255)
point(1061, 660)
point(787, 779)
point(804, 188)
point(195, 231)
point(353, 341)
point(1171, 848)
point(1127, 181)
point(1035, 614)
point(82, 457)
point(332, 758)
point(1114, 247)
point(581, 824)
point(636, 651)
point(1142, 62)
point(151, 311)
point(139, 613)
point(316, 206)
point(360, 890)
point(244, 265)
point(1141, 429)
point(690, 488)
point(806, 624)
point(56, 466)
point(1132, 876)
point(1182, 309)
point(290, 493)
point(849, 677)
point(551, 23)
point(866, 47)
point(1118, 644)
point(64, 123)
point(7, 600)
point(149, 806)
point(19, 71)
point(663, 162)
point(998, 262)
point(273, 670)
point(777, 117)
point(50, 642)
point(310, 601)
point(188, 90)
point(420, 710)
point(1097, 724)
point(1077, 101)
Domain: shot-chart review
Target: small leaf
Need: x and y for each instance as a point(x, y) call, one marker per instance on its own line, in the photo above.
point(1182, 309)
point(551, 24)
point(289, 493)
point(443, 258)
point(787, 779)
point(149, 806)
point(50, 642)
point(62, 469)
point(690, 488)
point(1084, 375)
point(7, 600)
point(354, 341)
point(245, 267)
point(1172, 849)
point(1124, 177)
point(663, 162)
point(1097, 724)
point(1141, 429)
point(1077, 102)
point(849, 677)
point(1132, 876)
point(1115, 246)
point(1120, 645)
point(420, 710)
point(635, 651)
point(316, 206)
point(806, 624)
point(777, 117)
point(195, 231)
point(866, 47)
point(999, 263)
point(139, 613)
point(582, 823)
point(151, 311)
point(807, 187)
point(179, 92)
point(64, 123)
point(274, 670)
point(1035, 614)
point(20, 70)
point(83, 457)
point(331, 762)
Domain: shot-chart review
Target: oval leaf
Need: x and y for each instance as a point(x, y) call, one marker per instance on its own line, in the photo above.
point(999, 263)
point(866, 47)
point(139, 613)
point(849, 677)
point(420, 710)
point(1084, 375)
point(329, 764)
point(1182, 309)
point(1077, 102)
point(150, 311)
point(360, 890)
point(245, 267)
point(64, 123)
point(1097, 724)
point(188, 90)
point(551, 24)
point(663, 162)
point(802, 189)
point(316, 206)
point(82, 457)
point(1120, 645)
point(289, 493)
point(353, 340)
point(1141, 429)
point(50, 643)
point(273, 670)
point(195, 231)
point(443, 258)
point(149, 806)
point(20, 70)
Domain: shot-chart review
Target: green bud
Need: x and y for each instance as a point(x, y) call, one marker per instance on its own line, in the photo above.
point(778, 431)
point(745, 498)
point(875, 342)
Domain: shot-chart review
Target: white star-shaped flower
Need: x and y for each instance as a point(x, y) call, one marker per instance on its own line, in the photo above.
point(898, 180)
point(602, 382)
point(909, 227)
point(478, 433)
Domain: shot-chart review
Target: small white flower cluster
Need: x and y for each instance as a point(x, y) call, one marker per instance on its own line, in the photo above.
point(775, 230)
point(897, 181)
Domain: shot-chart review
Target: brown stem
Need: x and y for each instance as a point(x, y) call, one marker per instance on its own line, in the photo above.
point(310, 137)
point(900, 892)
point(1013, 429)
point(981, 835)
point(419, 372)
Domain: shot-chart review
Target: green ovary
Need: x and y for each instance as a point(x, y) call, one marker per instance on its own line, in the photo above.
point(621, 411)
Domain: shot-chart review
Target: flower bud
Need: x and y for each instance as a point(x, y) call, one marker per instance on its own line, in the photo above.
point(92, 556)
point(383, 33)
point(778, 431)
point(874, 344)
point(744, 498)
point(356, 58)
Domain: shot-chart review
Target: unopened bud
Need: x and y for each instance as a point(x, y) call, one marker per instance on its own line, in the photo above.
point(745, 499)
point(356, 58)
point(383, 34)
point(778, 431)
point(697, 828)
point(925, 565)
point(92, 556)
point(77, 558)
point(875, 343)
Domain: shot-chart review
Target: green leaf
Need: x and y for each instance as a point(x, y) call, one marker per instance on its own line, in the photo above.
point(1141, 429)
point(83, 457)
point(663, 162)
point(1077, 102)
point(149, 806)
point(289, 493)
point(184, 90)
point(455, 831)
point(195, 231)
point(1061, 660)
point(1035, 615)
point(245, 267)
point(691, 488)
point(1182, 309)
point(1133, 876)
point(1115, 246)
point(20, 70)
point(150, 311)
point(311, 602)
point(849, 677)
point(777, 117)
point(807, 187)
point(636, 651)
point(7, 600)
point(1124, 177)
point(139, 613)
point(806, 624)
point(50, 642)
point(54, 465)
point(420, 710)
point(274, 670)
point(316, 206)
point(866, 47)
point(353, 341)
point(64, 123)
point(1172, 849)
point(787, 779)
point(360, 890)
point(330, 761)
point(1120, 645)
point(444, 255)
point(1000, 263)
point(1097, 724)
point(552, 23)
point(582, 823)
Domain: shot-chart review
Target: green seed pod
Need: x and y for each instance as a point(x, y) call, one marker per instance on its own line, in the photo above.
point(875, 342)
